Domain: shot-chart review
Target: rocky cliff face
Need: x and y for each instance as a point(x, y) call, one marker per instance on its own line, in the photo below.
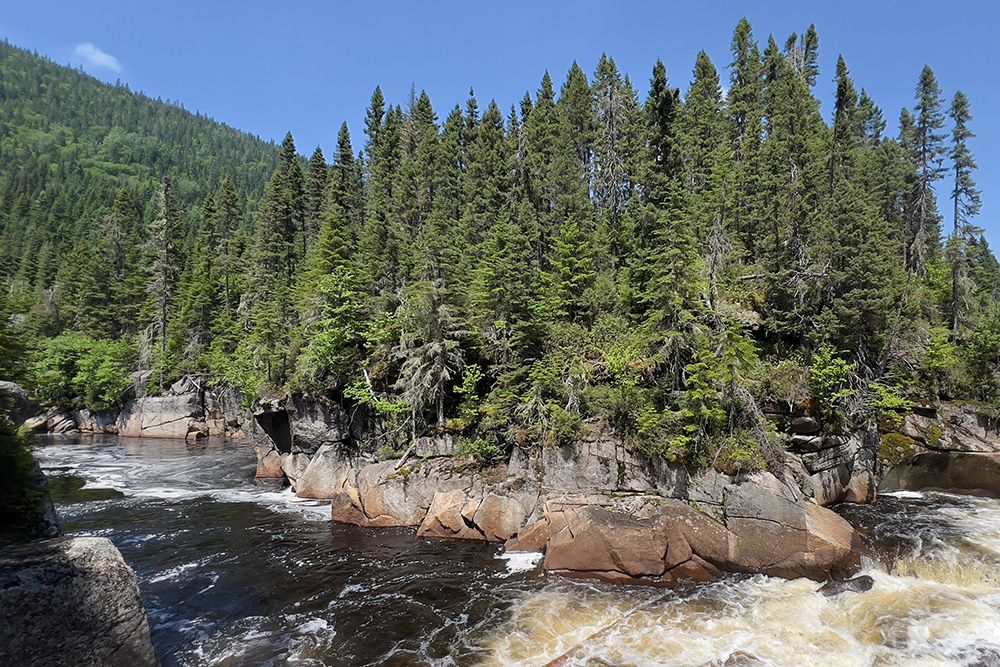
point(71, 602)
point(944, 447)
point(186, 410)
point(597, 509)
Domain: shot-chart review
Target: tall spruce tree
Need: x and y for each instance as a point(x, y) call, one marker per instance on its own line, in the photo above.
point(164, 266)
point(924, 233)
point(966, 202)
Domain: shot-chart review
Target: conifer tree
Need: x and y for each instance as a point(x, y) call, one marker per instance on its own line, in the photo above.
point(576, 105)
point(966, 202)
point(317, 174)
point(346, 184)
point(745, 110)
point(164, 264)
point(611, 103)
point(924, 230)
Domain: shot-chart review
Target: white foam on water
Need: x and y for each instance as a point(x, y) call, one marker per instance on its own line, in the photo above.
point(903, 494)
point(169, 477)
point(520, 561)
point(174, 573)
point(313, 626)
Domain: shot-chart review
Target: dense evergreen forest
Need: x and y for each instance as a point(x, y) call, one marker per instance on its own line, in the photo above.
point(669, 265)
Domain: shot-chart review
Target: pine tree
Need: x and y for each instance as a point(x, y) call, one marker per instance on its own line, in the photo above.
point(268, 299)
point(317, 174)
point(576, 105)
point(611, 146)
point(164, 265)
point(504, 293)
point(572, 272)
point(745, 110)
point(346, 182)
point(429, 350)
point(966, 202)
point(924, 233)
point(227, 222)
point(486, 188)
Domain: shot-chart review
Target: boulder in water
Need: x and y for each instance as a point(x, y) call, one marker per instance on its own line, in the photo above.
point(859, 584)
point(268, 463)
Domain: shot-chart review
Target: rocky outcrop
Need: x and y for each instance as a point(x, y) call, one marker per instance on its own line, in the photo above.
point(948, 447)
point(835, 468)
point(169, 416)
point(976, 473)
point(719, 524)
point(380, 495)
point(15, 402)
point(186, 410)
point(301, 426)
point(71, 602)
point(762, 528)
point(599, 462)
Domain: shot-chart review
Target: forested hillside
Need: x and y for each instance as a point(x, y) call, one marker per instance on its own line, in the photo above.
point(68, 142)
point(669, 264)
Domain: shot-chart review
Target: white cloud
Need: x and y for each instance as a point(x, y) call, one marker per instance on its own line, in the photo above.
point(92, 55)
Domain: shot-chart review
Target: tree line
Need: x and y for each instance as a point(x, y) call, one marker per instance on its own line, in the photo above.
point(672, 266)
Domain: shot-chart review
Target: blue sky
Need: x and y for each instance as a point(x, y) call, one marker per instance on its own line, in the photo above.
point(305, 66)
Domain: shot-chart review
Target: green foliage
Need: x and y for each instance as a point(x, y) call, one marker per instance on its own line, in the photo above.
point(830, 380)
point(482, 450)
point(982, 357)
point(21, 496)
point(939, 367)
point(74, 368)
point(888, 398)
point(734, 454)
point(785, 381)
point(659, 266)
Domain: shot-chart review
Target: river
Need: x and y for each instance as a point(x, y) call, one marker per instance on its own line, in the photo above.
point(233, 573)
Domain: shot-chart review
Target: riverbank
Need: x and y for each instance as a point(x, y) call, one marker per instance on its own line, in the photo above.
point(234, 573)
point(594, 507)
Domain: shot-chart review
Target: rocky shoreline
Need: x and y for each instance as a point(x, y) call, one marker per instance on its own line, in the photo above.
point(65, 600)
point(594, 508)
point(597, 510)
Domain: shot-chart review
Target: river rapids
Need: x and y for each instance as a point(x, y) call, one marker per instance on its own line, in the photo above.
point(233, 573)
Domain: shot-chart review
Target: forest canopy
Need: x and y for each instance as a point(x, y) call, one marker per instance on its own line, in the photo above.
point(668, 265)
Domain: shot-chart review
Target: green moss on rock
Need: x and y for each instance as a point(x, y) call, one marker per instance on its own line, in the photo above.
point(897, 448)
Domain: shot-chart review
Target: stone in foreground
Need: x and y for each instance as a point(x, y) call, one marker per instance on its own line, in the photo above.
point(71, 602)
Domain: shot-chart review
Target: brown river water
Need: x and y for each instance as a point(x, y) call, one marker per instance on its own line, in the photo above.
point(235, 574)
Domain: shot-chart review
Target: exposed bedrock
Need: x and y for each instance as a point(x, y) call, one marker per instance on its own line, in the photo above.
point(186, 410)
point(74, 602)
point(948, 448)
point(600, 510)
point(714, 523)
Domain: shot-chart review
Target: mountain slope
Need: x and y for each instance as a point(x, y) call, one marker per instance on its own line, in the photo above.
point(69, 141)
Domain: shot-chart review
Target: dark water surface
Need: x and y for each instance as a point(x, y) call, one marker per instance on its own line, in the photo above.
point(237, 574)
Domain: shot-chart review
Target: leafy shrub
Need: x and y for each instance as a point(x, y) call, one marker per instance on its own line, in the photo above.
point(889, 404)
point(829, 384)
point(785, 381)
point(482, 450)
point(982, 355)
point(73, 370)
point(388, 453)
point(735, 454)
point(469, 391)
point(940, 367)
